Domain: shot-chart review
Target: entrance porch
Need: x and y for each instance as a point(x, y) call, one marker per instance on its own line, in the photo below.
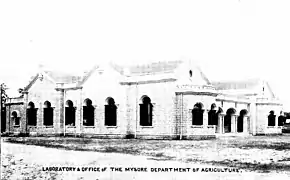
point(232, 124)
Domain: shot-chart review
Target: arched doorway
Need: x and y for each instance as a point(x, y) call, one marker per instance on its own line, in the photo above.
point(110, 112)
point(70, 113)
point(271, 118)
point(240, 124)
point(213, 115)
point(228, 120)
point(88, 113)
point(31, 114)
point(281, 119)
point(197, 114)
point(47, 114)
point(146, 112)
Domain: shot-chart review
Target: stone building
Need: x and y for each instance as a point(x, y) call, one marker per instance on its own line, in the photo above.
point(172, 100)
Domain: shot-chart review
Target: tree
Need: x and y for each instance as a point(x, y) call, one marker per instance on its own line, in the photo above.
point(4, 95)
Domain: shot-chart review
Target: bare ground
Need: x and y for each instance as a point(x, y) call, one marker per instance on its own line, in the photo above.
point(264, 156)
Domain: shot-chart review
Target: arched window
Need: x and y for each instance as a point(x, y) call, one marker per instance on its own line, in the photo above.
point(70, 113)
point(31, 114)
point(213, 115)
point(197, 114)
point(146, 112)
point(271, 118)
point(88, 113)
point(15, 117)
point(240, 124)
point(47, 114)
point(110, 112)
point(190, 73)
point(228, 120)
point(281, 119)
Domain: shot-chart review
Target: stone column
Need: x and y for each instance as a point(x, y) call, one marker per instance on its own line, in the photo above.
point(276, 121)
point(233, 124)
point(245, 124)
point(205, 118)
point(253, 116)
point(220, 128)
point(23, 120)
point(79, 127)
point(59, 110)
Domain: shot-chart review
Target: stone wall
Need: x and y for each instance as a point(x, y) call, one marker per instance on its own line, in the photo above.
point(41, 91)
point(263, 110)
point(163, 100)
point(10, 122)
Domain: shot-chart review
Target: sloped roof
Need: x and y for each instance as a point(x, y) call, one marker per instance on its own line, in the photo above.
point(229, 85)
point(246, 86)
point(56, 76)
point(137, 70)
point(151, 68)
point(63, 77)
point(87, 75)
point(33, 79)
point(204, 76)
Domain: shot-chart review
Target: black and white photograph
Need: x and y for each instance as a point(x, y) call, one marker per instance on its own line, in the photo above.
point(139, 90)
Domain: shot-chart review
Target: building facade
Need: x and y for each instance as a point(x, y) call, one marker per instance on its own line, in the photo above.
point(165, 100)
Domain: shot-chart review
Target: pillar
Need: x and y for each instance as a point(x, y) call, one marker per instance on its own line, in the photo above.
point(23, 120)
point(253, 117)
point(59, 110)
point(79, 115)
point(205, 118)
point(233, 123)
point(220, 127)
point(245, 124)
point(276, 121)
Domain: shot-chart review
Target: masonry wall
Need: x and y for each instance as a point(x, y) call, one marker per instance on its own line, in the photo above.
point(192, 131)
point(11, 127)
point(263, 110)
point(41, 91)
point(99, 87)
point(162, 97)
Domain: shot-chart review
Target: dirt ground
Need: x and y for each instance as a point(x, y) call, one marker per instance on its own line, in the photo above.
point(261, 157)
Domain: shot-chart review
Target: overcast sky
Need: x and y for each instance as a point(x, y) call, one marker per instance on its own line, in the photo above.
point(230, 39)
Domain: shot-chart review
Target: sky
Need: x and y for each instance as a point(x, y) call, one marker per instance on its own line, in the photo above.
point(229, 39)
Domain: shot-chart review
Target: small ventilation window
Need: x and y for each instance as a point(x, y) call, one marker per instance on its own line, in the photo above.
point(190, 73)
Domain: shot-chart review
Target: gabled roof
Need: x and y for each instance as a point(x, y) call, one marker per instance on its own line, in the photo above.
point(57, 77)
point(34, 78)
point(62, 77)
point(246, 86)
point(203, 76)
point(229, 85)
point(137, 70)
point(87, 76)
point(151, 68)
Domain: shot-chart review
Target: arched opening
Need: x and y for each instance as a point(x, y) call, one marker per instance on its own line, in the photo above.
point(228, 120)
point(281, 119)
point(271, 118)
point(88, 113)
point(31, 114)
point(213, 115)
point(190, 73)
point(15, 118)
point(240, 125)
point(70, 113)
point(197, 114)
point(110, 112)
point(47, 114)
point(146, 112)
